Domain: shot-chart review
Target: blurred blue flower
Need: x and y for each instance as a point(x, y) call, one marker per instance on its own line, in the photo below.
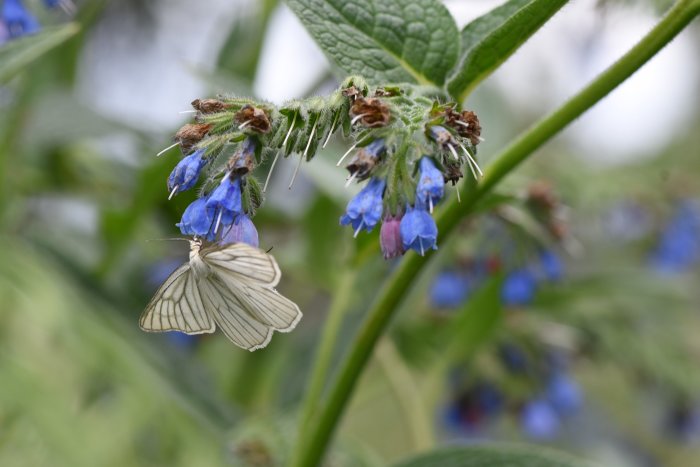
point(418, 231)
point(431, 184)
point(551, 266)
point(449, 289)
point(241, 231)
point(563, 393)
point(679, 246)
point(365, 209)
point(518, 288)
point(197, 220)
point(224, 203)
point(182, 340)
point(539, 420)
point(186, 172)
point(514, 358)
point(17, 19)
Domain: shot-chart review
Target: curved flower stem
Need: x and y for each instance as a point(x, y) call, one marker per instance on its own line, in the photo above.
point(395, 286)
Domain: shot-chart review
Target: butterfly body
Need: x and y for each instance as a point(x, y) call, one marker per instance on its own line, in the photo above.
point(229, 286)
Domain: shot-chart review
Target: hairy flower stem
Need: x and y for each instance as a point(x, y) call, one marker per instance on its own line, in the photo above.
point(311, 452)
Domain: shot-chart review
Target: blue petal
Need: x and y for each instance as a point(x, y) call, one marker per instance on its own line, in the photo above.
point(418, 231)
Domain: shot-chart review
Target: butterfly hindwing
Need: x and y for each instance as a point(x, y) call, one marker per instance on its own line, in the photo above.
point(232, 317)
point(177, 306)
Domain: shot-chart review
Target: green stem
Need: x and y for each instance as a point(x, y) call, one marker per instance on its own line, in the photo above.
point(324, 354)
point(395, 286)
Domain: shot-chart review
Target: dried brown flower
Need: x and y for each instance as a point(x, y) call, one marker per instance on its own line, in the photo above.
point(209, 106)
point(191, 134)
point(253, 117)
point(372, 112)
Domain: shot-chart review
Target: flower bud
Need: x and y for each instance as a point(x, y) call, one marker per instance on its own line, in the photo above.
point(372, 112)
point(254, 118)
point(191, 134)
point(418, 231)
point(390, 237)
point(186, 172)
point(366, 159)
point(365, 209)
point(209, 106)
point(243, 160)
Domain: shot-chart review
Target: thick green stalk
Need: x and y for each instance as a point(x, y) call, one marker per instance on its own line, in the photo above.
point(324, 353)
point(395, 286)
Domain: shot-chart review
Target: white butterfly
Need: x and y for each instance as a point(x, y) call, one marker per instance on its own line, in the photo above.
point(231, 286)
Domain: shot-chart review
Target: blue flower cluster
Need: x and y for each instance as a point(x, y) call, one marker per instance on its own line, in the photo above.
point(450, 289)
point(540, 415)
point(678, 247)
point(413, 229)
point(219, 214)
point(17, 21)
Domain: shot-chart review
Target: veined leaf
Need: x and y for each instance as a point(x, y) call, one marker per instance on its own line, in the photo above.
point(413, 41)
point(490, 39)
point(17, 54)
point(494, 455)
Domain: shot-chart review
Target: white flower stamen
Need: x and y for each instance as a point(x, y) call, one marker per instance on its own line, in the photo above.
point(359, 227)
point(172, 193)
point(356, 118)
point(269, 174)
point(291, 127)
point(167, 149)
point(328, 138)
point(346, 155)
point(350, 179)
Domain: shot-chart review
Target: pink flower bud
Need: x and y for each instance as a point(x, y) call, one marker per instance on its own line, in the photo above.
point(390, 237)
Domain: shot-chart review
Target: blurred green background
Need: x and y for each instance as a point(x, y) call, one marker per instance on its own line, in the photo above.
point(87, 104)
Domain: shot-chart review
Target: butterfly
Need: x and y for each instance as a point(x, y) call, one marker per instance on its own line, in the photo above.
point(230, 286)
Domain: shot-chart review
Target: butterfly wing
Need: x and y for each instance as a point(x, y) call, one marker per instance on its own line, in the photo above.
point(177, 306)
point(245, 262)
point(231, 315)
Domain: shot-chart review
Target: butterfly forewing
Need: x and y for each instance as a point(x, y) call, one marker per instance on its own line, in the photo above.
point(245, 261)
point(177, 306)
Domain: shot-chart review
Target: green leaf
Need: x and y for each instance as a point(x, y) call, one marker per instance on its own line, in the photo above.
point(19, 53)
point(413, 41)
point(490, 39)
point(494, 455)
point(477, 320)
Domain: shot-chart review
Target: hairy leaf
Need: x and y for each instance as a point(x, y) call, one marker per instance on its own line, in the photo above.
point(414, 41)
point(490, 39)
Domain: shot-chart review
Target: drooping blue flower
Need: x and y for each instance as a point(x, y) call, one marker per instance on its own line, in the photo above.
point(563, 393)
point(366, 158)
point(18, 20)
point(449, 289)
point(197, 220)
point(431, 184)
point(539, 420)
point(365, 209)
point(550, 265)
point(243, 160)
point(518, 288)
point(418, 231)
point(241, 231)
point(224, 204)
point(186, 172)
